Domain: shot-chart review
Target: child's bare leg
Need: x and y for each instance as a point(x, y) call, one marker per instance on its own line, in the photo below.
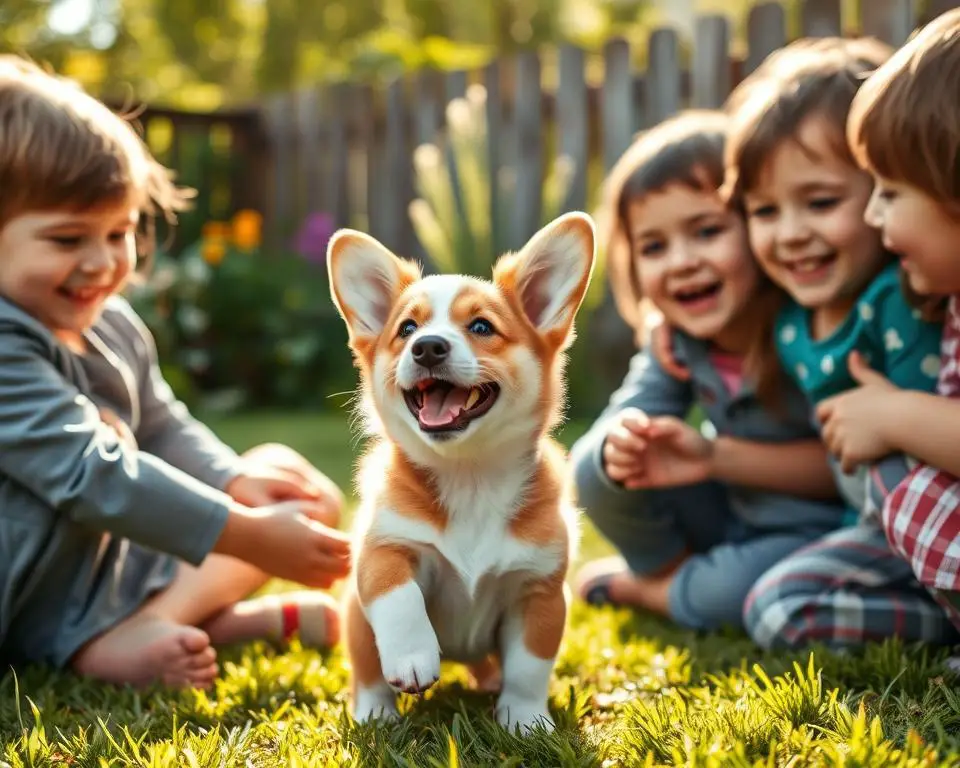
point(277, 617)
point(213, 597)
point(623, 587)
point(169, 639)
point(145, 649)
point(161, 642)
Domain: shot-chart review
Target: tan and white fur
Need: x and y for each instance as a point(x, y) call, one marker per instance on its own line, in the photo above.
point(466, 525)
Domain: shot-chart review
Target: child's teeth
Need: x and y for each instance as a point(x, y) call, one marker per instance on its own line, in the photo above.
point(472, 398)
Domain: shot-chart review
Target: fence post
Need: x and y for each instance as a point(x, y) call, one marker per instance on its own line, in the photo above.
point(711, 62)
point(821, 18)
point(276, 118)
point(336, 197)
point(310, 168)
point(529, 182)
point(888, 20)
point(616, 101)
point(572, 120)
point(766, 32)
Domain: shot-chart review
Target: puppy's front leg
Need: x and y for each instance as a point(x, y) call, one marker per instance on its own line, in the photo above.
point(395, 608)
point(530, 638)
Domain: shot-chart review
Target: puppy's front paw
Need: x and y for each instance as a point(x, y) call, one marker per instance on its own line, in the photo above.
point(412, 672)
point(513, 713)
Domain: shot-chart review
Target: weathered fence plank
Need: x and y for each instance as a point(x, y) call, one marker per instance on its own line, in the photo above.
point(573, 122)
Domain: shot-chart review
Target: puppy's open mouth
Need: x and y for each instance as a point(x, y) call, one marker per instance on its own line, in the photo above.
point(441, 406)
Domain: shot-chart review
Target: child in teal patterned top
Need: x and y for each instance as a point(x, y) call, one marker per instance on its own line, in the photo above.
point(805, 198)
point(882, 328)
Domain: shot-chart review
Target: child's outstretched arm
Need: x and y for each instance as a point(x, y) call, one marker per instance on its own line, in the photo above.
point(678, 454)
point(879, 418)
point(54, 443)
point(926, 427)
point(864, 424)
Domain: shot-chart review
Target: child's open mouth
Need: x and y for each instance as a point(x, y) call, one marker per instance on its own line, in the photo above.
point(81, 296)
point(698, 297)
point(812, 268)
point(441, 406)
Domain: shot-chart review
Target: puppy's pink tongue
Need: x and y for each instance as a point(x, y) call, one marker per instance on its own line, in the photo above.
point(442, 406)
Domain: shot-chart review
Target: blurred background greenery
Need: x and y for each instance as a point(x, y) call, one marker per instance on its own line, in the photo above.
point(205, 54)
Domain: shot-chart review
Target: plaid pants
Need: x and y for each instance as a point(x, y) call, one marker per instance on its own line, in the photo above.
point(845, 589)
point(922, 522)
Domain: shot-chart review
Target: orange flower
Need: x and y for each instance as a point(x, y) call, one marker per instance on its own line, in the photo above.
point(247, 229)
point(215, 230)
point(213, 251)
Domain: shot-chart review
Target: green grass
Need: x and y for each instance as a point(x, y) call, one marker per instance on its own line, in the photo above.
point(628, 690)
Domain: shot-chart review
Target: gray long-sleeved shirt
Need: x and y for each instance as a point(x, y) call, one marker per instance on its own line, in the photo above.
point(650, 388)
point(90, 526)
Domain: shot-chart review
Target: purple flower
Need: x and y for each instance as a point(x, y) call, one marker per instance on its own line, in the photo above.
point(315, 232)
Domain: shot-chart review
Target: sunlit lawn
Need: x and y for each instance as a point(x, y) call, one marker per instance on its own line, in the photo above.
point(628, 690)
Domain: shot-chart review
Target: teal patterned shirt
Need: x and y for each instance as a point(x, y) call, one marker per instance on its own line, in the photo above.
point(883, 327)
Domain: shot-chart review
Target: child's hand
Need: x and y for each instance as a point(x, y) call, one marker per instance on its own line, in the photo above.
point(289, 540)
point(661, 347)
point(623, 447)
point(676, 455)
point(854, 422)
point(278, 473)
point(658, 452)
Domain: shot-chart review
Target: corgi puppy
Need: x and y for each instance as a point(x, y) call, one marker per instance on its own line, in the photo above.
point(465, 527)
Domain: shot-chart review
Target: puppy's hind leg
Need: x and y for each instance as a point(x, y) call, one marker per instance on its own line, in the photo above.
point(530, 639)
point(371, 696)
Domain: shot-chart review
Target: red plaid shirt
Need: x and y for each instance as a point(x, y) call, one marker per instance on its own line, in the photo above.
point(922, 514)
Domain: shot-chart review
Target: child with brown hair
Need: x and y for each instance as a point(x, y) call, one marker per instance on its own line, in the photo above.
point(696, 520)
point(789, 165)
point(905, 131)
point(129, 534)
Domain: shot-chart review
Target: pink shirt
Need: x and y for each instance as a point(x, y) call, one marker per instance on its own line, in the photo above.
point(730, 368)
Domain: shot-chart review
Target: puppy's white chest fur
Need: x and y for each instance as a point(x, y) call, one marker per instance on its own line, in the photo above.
point(474, 568)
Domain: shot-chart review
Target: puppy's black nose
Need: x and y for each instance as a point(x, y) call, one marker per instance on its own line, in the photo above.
point(430, 351)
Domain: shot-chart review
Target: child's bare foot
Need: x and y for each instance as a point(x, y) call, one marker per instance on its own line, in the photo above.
point(144, 650)
point(610, 581)
point(278, 617)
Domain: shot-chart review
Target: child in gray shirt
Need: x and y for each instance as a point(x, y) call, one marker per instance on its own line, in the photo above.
point(129, 534)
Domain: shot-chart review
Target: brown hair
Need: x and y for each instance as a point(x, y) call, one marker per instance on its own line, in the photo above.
point(60, 148)
point(686, 149)
point(903, 124)
point(807, 78)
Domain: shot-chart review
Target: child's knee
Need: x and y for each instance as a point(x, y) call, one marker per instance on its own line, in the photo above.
point(774, 614)
point(701, 599)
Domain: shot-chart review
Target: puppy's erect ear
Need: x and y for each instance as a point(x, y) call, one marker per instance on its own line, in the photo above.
point(550, 275)
point(365, 281)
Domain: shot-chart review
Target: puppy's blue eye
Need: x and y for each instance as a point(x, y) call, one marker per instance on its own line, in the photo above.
point(407, 328)
point(481, 327)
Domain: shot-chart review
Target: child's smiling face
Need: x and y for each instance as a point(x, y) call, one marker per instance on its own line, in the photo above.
point(61, 266)
point(924, 233)
point(805, 219)
point(692, 259)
